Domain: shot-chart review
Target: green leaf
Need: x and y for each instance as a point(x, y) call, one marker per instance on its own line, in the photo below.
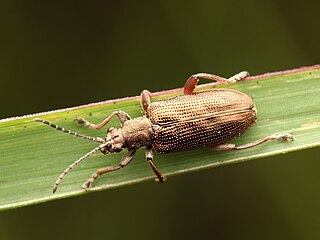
point(34, 155)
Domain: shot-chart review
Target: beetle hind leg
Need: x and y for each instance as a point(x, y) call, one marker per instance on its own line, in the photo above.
point(230, 146)
point(192, 82)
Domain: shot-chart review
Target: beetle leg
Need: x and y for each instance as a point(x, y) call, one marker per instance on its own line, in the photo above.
point(126, 159)
point(237, 77)
point(145, 100)
point(120, 114)
point(230, 146)
point(149, 156)
point(194, 79)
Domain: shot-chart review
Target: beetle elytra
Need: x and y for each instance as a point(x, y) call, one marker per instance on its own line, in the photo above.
point(195, 119)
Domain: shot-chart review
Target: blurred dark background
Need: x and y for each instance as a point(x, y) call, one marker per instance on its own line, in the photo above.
point(59, 54)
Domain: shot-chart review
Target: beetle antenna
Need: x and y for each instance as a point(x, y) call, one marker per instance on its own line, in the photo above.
point(73, 165)
point(94, 139)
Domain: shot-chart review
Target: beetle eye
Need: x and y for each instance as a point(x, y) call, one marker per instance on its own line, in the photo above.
point(117, 149)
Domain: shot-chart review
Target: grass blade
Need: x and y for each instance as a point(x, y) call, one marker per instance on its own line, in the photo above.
point(33, 155)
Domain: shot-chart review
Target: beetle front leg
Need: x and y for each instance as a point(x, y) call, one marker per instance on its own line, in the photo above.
point(230, 146)
point(126, 159)
point(149, 156)
point(120, 114)
point(191, 83)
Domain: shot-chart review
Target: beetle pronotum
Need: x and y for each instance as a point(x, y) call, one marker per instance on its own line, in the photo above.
point(195, 119)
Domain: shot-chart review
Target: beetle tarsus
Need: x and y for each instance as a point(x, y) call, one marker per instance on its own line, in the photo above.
point(120, 114)
point(87, 185)
point(85, 123)
point(160, 179)
point(80, 120)
point(282, 137)
point(238, 77)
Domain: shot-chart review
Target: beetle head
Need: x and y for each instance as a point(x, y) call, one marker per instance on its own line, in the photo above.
point(114, 140)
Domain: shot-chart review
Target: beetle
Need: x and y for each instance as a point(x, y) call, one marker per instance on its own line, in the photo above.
point(208, 118)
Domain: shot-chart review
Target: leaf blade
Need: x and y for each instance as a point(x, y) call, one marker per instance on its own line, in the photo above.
point(33, 155)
